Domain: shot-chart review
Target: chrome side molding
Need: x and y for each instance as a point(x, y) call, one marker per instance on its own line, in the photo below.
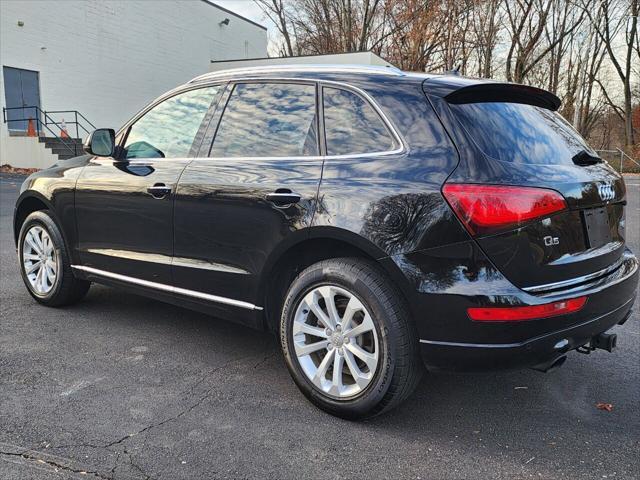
point(167, 260)
point(168, 288)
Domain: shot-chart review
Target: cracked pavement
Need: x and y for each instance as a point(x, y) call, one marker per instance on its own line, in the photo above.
point(123, 387)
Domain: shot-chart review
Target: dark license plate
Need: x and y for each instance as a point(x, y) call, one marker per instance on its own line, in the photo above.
point(596, 221)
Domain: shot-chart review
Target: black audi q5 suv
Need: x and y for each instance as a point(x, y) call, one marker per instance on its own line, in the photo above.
point(377, 221)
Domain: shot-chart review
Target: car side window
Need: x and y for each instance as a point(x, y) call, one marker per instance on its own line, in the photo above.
point(169, 128)
point(352, 126)
point(268, 120)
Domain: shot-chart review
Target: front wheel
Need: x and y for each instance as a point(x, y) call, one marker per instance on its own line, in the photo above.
point(348, 338)
point(45, 264)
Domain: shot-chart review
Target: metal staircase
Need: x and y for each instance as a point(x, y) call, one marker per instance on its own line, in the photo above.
point(72, 147)
point(48, 127)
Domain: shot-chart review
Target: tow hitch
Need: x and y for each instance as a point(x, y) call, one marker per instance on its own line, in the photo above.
point(604, 341)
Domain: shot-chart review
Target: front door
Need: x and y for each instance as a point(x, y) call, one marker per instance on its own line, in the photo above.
point(253, 192)
point(22, 96)
point(124, 205)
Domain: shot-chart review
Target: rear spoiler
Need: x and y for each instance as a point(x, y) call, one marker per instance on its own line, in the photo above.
point(504, 92)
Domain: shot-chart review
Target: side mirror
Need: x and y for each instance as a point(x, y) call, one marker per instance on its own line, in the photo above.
point(100, 142)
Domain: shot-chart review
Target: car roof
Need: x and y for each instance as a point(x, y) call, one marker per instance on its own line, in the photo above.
point(308, 69)
point(442, 84)
point(447, 81)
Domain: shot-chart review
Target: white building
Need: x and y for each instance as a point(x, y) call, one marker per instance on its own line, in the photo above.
point(105, 59)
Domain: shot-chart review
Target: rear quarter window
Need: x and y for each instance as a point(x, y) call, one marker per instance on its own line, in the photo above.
point(515, 132)
point(352, 126)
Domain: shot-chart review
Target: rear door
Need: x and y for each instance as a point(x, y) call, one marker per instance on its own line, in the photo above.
point(521, 144)
point(124, 205)
point(252, 192)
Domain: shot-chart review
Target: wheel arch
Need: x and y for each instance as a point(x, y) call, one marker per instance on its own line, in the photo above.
point(320, 243)
point(29, 202)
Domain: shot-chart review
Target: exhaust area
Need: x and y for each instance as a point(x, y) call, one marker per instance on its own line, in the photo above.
point(557, 363)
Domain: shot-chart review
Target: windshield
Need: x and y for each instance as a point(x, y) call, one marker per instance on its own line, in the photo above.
point(515, 132)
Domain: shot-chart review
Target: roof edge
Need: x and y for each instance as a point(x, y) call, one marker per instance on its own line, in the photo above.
point(294, 68)
point(212, 4)
point(295, 56)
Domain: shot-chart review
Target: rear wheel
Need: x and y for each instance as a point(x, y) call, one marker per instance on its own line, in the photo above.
point(348, 339)
point(44, 263)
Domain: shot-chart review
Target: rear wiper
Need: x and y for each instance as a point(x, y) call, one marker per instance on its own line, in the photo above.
point(584, 158)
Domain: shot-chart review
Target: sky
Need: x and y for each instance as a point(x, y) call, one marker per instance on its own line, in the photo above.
point(248, 9)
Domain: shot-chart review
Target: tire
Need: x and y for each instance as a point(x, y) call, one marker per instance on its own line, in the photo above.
point(387, 363)
point(52, 289)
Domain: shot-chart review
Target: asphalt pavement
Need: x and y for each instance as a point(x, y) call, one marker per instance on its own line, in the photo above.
point(123, 387)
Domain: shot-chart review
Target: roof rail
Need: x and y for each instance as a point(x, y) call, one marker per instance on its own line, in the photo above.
point(383, 70)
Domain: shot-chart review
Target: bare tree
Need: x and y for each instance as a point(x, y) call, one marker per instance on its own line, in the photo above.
point(585, 51)
point(527, 20)
point(336, 26)
point(416, 36)
point(276, 11)
point(485, 25)
point(619, 18)
point(585, 64)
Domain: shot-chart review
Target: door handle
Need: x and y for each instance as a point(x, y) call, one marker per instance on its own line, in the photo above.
point(283, 196)
point(159, 190)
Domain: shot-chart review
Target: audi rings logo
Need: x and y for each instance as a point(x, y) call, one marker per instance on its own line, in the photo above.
point(606, 191)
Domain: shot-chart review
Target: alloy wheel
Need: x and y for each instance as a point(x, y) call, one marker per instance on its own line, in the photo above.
point(335, 341)
point(39, 260)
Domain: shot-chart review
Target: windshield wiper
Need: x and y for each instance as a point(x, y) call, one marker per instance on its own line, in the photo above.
point(583, 158)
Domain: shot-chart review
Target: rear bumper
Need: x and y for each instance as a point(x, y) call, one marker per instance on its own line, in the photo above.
point(533, 352)
point(450, 341)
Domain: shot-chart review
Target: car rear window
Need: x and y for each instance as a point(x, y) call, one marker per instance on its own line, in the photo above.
point(515, 132)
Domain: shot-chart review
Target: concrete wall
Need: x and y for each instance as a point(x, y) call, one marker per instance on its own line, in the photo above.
point(25, 152)
point(107, 59)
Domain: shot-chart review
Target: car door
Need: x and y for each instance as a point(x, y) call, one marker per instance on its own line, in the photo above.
point(124, 205)
point(252, 192)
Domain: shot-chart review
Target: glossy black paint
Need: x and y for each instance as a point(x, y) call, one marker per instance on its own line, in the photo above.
point(521, 254)
point(217, 233)
point(224, 221)
point(122, 227)
point(394, 201)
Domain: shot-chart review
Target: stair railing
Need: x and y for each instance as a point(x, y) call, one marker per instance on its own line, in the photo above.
point(619, 156)
point(43, 121)
point(76, 114)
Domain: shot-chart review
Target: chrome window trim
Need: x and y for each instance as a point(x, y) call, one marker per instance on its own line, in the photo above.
point(385, 120)
point(574, 281)
point(402, 145)
point(168, 288)
point(142, 161)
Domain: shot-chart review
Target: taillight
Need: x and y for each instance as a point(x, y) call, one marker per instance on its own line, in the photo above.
point(517, 314)
point(488, 208)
